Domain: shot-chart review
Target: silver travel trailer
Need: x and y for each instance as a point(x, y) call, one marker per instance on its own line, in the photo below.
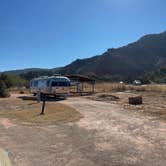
point(57, 86)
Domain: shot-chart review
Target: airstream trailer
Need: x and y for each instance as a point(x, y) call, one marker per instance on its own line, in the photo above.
point(57, 86)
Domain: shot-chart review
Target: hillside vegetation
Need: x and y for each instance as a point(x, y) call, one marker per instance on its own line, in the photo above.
point(9, 81)
point(146, 55)
point(143, 59)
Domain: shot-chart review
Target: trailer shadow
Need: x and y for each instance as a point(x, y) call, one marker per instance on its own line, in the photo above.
point(46, 98)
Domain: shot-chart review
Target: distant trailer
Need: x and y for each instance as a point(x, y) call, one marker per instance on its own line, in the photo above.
point(137, 82)
point(57, 86)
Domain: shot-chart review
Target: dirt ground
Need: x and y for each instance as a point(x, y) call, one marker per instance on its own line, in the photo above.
point(109, 134)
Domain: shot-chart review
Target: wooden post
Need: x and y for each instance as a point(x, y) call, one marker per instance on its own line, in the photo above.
point(38, 96)
point(77, 87)
point(82, 88)
point(93, 87)
point(43, 105)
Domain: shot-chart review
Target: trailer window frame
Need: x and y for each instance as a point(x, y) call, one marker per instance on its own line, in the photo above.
point(60, 83)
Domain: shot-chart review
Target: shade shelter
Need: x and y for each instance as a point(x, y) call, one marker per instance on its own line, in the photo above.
point(79, 81)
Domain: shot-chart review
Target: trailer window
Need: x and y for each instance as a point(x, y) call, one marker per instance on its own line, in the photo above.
point(48, 82)
point(65, 84)
point(60, 84)
point(35, 83)
point(54, 83)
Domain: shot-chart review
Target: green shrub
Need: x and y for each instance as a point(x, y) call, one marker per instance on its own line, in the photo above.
point(3, 90)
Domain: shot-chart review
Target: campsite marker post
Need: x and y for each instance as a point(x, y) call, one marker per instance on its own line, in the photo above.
point(38, 96)
point(43, 105)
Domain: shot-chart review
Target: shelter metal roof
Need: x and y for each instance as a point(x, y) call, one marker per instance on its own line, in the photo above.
point(80, 78)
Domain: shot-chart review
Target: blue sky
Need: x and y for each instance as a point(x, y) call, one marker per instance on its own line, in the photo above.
point(52, 33)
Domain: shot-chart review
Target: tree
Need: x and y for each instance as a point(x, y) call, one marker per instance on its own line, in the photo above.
point(3, 89)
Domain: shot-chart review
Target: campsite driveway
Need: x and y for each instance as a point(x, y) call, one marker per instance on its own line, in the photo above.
point(108, 135)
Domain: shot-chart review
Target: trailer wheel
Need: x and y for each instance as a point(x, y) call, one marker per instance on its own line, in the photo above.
point(65, 97)
point(38, 96)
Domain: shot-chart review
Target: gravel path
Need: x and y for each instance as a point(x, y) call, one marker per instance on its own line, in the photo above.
point(106, 136)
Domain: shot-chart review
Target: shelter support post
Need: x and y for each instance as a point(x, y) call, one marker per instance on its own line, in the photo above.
point(93, 87)
point(82, 88)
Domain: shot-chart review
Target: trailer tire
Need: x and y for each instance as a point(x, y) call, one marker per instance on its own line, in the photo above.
point(65, 97)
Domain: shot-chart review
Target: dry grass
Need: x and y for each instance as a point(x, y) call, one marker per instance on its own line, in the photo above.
point(153, 104)
point(115, 87)
point(18, 90)
point(28, 112)
point(106, 97)
point(156, 88)
point(109, 87)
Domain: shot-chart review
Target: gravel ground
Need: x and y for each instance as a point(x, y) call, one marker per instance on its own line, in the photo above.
point(108, 135)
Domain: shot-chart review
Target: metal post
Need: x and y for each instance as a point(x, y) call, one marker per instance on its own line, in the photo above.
point(43, 105)
point(93, 87)
point(82, 88)
point(77, 87)
point(38, 96)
